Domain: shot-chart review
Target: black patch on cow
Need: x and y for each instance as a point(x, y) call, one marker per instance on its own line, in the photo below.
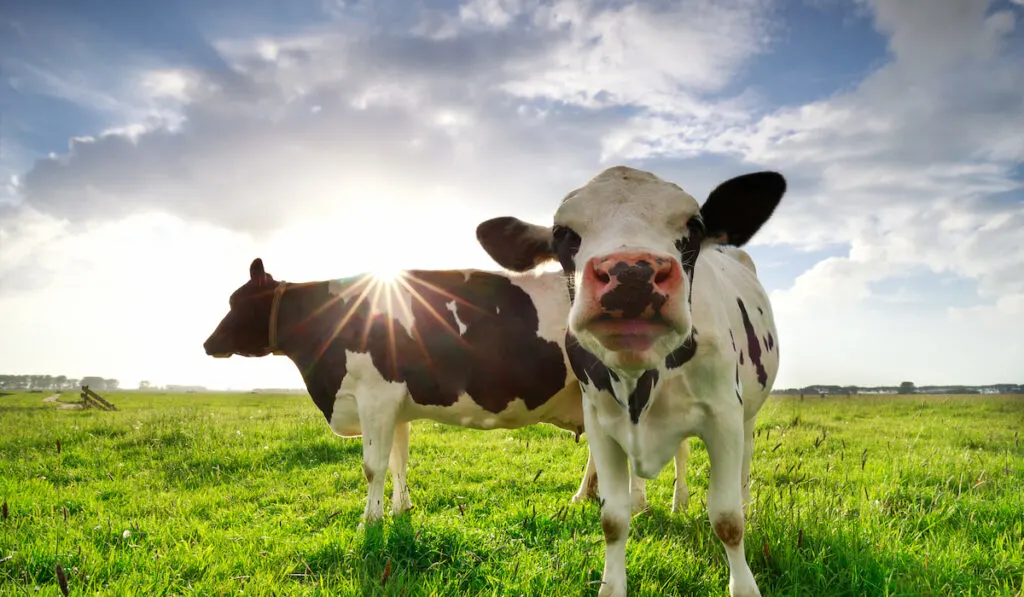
point(689, 250)
point(681, 355)
point(753, 346)
point(587, 367)
point(771, 341)
point(738, 397)
point(641, 394)
point(498, 358)
point(741, 357)
point(732, 339)
point(590, 370)
point(738, 207)
point(634, 290)
point(566, 243)
point(760, 310)
point(689, 246)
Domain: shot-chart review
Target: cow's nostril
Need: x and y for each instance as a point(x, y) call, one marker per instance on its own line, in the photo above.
point(662, 276)
point(603, 277)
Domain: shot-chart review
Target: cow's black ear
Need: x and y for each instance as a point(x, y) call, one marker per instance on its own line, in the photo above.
point(738, 207)
point(256, 271)
point(258, 275)
point(516, 245)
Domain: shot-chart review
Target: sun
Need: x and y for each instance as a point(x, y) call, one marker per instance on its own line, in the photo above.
point(386, 274)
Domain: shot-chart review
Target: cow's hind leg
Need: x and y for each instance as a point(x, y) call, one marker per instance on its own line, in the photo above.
point(399, 464)
point(681, 492)
point(588, 486)
point(748, 450)
point(637, 493)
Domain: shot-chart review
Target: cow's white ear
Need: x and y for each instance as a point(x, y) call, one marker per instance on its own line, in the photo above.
point(516, 245)
point(738, 207)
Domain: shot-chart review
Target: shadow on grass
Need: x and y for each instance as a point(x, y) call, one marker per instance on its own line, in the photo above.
point(394, 558)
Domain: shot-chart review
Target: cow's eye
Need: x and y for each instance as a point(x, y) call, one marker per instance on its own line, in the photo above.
point(696, 224)
point(566, 243)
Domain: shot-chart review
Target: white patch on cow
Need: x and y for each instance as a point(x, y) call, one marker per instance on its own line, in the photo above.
point(550, 296)
point(452, 307)
point(561, 410)
point(345, 416)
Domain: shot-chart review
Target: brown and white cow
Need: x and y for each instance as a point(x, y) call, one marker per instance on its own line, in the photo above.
point(461, 347)
point(670, 334)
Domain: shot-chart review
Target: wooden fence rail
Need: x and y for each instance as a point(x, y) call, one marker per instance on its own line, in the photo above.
point(93, 400)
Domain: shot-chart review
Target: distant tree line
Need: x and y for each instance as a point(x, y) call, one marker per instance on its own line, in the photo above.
point(55, 382)
point(906, 387)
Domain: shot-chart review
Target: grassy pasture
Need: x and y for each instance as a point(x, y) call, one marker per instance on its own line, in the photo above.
point(209, 494)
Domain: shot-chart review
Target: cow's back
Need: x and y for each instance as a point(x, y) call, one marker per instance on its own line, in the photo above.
point(733, 305)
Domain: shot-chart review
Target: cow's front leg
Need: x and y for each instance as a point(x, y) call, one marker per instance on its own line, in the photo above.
point(613, 470)
point(725, 443)
point(681, 491)
point(378, 426)
point(399, 465)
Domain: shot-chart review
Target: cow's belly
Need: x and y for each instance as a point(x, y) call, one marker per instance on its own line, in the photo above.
point(363, 382)
point(465, 412)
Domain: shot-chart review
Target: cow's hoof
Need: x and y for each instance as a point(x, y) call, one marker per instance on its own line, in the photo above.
point(680, 504)
point(607, 590)
point(748, 588)
point(403, 509)
point(370, 520)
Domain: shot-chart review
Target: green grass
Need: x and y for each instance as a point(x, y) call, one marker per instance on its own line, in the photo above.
point(217, 494)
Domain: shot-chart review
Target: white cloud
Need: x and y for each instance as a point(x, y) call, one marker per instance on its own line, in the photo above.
point(340, 148)
point(906, 169)
point(654, 56)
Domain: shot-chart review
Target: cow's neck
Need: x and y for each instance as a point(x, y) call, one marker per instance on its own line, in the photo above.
point(307, 325)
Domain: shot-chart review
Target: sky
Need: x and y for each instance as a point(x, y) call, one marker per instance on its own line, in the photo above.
point(149, 151)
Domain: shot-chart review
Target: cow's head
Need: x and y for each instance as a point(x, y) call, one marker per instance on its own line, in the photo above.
point(245, 330)
point(628, 242)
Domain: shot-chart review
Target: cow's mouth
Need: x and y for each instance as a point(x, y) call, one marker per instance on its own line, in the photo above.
point(634, 335)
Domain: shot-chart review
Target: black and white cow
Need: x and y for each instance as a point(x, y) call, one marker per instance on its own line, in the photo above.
point(670, 333)
point(461, 347)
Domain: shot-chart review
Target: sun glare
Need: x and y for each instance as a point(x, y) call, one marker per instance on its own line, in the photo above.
point(386, 275)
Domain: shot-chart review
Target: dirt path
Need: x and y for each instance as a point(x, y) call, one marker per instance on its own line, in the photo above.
point(55, 398)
